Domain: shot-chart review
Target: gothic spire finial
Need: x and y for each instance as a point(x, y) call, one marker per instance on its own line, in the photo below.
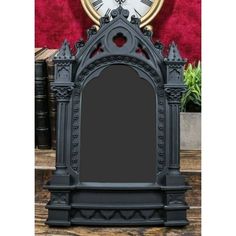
point(174, 55)
point(64, 52)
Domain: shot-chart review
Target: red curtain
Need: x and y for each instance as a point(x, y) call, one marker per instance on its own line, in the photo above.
point(178, 20)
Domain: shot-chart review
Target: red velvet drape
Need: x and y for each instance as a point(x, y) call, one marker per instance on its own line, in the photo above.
point(178, 20)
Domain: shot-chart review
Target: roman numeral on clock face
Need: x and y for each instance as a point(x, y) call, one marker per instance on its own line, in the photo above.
point(97, 4)
point(137, 13)
point(108, 11)
point(147, 2)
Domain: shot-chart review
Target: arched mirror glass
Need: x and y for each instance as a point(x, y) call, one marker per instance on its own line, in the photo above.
point(118, 128)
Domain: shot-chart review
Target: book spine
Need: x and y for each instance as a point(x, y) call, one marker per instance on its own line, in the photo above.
point(52, 103)
point(39, 51)
point(41, 106)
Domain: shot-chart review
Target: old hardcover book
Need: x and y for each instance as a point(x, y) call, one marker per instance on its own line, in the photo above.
point(51, 100)
point(38, 51)
point(42, 124)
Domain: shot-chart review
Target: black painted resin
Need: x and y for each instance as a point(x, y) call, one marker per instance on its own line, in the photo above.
point(118, 141)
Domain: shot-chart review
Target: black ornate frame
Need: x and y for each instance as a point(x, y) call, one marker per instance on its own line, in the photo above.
point(76, 203)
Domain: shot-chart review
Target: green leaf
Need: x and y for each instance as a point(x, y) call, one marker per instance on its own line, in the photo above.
point(192, 79)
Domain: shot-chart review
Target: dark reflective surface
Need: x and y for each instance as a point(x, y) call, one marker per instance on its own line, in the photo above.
point(118, 132)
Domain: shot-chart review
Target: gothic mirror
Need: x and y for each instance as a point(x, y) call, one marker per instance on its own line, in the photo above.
point(118, 105)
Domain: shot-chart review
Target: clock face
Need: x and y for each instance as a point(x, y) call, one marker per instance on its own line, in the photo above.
point(139, 8)
point(146, 10)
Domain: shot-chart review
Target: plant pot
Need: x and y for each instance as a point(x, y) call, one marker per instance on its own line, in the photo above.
point(190, 131)
point(192, 107)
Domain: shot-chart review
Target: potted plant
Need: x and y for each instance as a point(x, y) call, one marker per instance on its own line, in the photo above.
point(191, 100)
point(191, 109)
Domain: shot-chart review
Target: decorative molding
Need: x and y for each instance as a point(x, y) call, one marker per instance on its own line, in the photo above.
point(135, 62)
point(175, 199)
point(158, 45)
point(62, 63)
point(91, 32)
point(131, 30)
point(124, 215)
point(175, 75)
point(174, 94)
point(75, 130)
point(62, 91)
point(135, 21)
point(174, 65)
point(119, 11)
point(59, 198)
point(63, 72)
point(104, 20)
point(147, 32)
point(106, 60)
point(79, 44)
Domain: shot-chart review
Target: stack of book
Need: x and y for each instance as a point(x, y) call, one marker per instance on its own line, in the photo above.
point(45, 104)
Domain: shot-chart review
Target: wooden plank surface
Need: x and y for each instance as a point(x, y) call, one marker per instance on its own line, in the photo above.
point(193, 196)
point(190, 161)
point(45, 159)
point(193, 229)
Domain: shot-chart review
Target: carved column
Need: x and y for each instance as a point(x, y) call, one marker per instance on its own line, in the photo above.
point(58, 206)
point(62, 88)
point(174, 96)
point(175, 205)
point(63, 93)
point(174, 89)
